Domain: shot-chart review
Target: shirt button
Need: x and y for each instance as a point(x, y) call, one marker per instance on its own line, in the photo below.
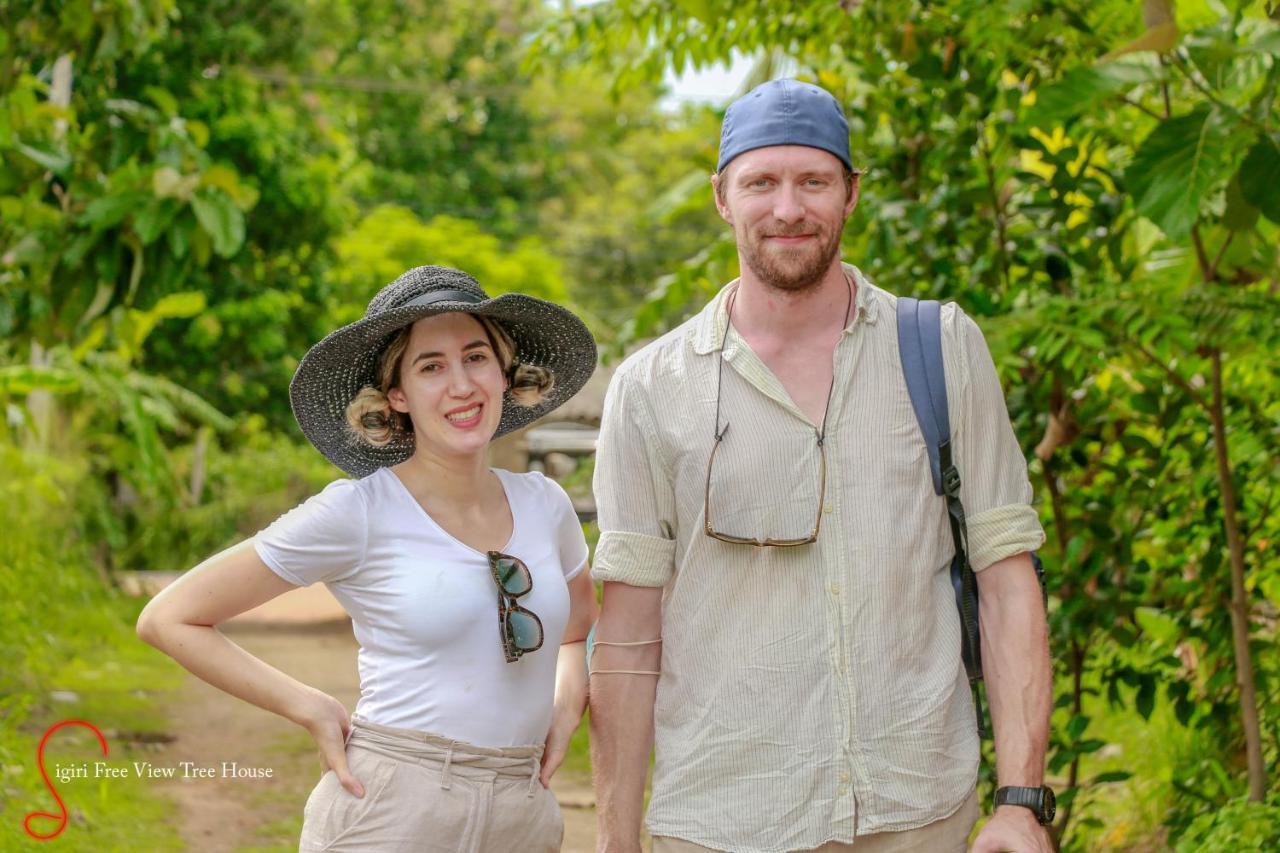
point(844, 777)
point(835, 589)
point(842, 791)
point(828, 508)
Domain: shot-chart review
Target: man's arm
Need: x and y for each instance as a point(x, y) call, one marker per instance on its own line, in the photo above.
point(1015, 662)
point(622, 711)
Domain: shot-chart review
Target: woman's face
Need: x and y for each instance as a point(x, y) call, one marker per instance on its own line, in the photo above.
point(451, 385)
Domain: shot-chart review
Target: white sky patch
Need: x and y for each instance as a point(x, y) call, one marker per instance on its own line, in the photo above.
point(716, 85)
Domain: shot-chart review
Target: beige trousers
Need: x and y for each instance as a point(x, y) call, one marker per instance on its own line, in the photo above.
point(949, 835)
point(428, 794)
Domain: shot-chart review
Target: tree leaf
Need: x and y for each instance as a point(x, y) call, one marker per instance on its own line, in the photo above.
point(1177, 166)
point(55, 161)
point(109, 211)
point(1269, 42)
point(20, 379)
point(186, 304)
point(1260, 177)
point(149, 222)
point(1239, 215)
point(1159, 38)
point(221, 220)
point(1146, 697)
point(1081, 88)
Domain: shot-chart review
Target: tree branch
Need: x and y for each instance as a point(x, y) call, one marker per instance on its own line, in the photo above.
point(1142, 107)
point(1222, 250)
point(1202, 256)
point(1239, 604)
point(1174, 377)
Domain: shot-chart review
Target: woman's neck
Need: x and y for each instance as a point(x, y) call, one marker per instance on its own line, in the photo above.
point(457, 481)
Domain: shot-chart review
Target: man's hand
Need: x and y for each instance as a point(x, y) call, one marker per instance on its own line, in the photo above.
point(1012, 829)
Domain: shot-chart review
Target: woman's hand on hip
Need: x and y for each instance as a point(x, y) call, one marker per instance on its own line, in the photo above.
point(327, 721)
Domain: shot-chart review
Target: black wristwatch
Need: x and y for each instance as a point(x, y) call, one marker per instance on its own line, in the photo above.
point(1040, 800)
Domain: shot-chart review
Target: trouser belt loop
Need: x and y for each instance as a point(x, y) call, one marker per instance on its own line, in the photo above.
point(533, 775)
point(446, 781)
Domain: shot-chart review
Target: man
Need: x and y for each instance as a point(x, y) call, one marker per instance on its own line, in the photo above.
point(777, 617)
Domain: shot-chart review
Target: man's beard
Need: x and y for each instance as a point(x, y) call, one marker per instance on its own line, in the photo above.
point(791, 268)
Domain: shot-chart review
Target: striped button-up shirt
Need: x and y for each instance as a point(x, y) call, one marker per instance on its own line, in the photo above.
point(813, 693)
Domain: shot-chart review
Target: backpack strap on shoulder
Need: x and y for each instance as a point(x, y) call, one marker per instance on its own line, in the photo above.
point(920, 345)
point(920, 348)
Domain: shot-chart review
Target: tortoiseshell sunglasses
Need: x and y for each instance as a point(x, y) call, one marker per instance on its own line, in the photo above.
point(521, 629)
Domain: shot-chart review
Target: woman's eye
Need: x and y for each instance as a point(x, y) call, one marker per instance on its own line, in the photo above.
point(430, 368)
point(477, 357)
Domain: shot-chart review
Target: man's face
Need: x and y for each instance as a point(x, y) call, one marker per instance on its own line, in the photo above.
point(787, 205)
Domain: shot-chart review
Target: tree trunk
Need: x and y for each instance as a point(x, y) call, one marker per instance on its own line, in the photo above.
point(1239, 603)
point(39, 402)
point(198, 453)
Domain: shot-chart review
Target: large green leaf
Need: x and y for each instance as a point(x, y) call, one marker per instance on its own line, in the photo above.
point(1260, 177)
point(1082, 88)
point(1178, 166)
point(221, 220)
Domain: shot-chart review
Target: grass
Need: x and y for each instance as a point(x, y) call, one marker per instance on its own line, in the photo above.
point(111, 682)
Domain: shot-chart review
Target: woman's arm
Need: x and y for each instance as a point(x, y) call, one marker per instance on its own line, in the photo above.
point(571, 674)
point(180, 621)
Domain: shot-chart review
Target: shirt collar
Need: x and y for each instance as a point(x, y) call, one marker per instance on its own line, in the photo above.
point(709, 327)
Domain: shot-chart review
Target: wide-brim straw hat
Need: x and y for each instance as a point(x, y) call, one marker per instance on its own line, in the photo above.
point(334, 370)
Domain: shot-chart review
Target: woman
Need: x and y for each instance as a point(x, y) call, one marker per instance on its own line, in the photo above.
point(466, 586)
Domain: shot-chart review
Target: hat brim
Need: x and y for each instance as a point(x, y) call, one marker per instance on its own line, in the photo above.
point(334, 370)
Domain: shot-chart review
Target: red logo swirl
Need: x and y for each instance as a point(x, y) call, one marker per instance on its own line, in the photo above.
point(60, 818)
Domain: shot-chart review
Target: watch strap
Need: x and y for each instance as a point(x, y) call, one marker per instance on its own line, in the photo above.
point(1029, 798)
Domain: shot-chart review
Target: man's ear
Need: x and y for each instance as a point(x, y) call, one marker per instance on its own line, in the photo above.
point(853, 194)
point(717, 186)
point(397, 399)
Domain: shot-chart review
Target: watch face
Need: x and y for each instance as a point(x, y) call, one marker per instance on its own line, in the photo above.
point(1048, 806)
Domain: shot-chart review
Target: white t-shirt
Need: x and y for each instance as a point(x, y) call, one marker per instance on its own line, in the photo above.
point(425, 606)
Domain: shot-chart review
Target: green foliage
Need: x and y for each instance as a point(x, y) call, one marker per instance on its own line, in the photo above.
point(636, 199)
point(390, 240)
point(1239, 825)
point(251, 477)
point(432, 95)
point(70, 651)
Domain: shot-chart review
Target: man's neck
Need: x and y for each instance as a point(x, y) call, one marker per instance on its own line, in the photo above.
point(765, 313)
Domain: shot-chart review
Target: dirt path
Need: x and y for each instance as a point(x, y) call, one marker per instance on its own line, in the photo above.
point(224, 815)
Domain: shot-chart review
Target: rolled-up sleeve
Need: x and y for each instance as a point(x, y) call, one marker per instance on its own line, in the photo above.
point(994, 487)
point(634, 495)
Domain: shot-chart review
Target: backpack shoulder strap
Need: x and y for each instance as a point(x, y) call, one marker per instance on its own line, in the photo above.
point(920, 347)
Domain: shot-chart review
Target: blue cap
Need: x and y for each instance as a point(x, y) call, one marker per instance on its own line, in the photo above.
point(784, 112)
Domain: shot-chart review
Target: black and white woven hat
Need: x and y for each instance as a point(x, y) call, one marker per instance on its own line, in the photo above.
point(334, 370)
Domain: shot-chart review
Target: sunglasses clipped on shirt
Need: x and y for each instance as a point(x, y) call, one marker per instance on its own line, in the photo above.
point(720, 432)
point(521, 629)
